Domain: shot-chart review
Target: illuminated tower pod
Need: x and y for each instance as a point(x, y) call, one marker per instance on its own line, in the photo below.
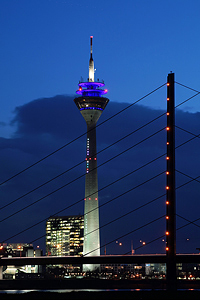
point(91, 105)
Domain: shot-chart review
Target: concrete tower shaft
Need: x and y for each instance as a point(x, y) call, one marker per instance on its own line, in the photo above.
point(91, 105)
point(91, 244)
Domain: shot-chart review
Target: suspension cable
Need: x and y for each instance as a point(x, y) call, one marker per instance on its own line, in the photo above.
point(61, 174)
point(99, 206)
point(75, 139)
point(72, 181)
point(122, 236)
point(91, 195)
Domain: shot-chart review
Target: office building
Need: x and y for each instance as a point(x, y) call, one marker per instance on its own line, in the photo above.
point(64, 236)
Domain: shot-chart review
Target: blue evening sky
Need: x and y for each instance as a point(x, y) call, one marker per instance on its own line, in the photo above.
point(44, 49)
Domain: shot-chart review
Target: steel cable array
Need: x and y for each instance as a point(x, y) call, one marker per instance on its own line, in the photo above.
point(72, 141)
point(194, 136)
point(58, 212)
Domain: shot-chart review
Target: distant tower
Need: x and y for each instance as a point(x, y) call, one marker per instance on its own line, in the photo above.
point(91, 105)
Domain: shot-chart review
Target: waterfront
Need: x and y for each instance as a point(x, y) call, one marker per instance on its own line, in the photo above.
point(110, 294)
point(92, 289)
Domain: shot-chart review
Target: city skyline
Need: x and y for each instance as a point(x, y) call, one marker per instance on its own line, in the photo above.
point(136, 46)
point(39, 135)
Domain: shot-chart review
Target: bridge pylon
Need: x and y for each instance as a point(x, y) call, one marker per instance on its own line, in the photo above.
point(171, 278)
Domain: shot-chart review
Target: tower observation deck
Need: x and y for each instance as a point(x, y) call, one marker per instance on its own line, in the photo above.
point(91, 105)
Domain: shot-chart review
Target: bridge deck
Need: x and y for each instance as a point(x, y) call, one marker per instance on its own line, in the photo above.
point(108, 259)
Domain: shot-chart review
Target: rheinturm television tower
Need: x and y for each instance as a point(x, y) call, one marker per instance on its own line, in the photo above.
point(91, 105)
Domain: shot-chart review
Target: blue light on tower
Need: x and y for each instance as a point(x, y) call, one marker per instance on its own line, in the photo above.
point(91, 89)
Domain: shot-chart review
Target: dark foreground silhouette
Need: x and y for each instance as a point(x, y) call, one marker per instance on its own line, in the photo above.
point(111, 295)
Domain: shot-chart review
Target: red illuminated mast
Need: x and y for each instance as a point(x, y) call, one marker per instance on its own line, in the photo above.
point(170, 188)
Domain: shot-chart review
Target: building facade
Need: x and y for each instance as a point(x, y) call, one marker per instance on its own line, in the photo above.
point(64, 236)
point(20, 250)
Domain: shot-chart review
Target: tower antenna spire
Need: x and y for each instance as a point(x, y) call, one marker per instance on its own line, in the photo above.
point(91, 37)
point(91, 63)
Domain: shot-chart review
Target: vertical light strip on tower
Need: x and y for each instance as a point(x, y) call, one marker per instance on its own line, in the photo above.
point(91, 105)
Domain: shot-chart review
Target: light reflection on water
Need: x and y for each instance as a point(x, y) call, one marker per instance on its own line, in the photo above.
point(68, 291)
point(53, 291)
point(85, 290)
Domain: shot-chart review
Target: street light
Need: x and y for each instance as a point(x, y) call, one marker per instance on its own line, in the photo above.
point(143, 243)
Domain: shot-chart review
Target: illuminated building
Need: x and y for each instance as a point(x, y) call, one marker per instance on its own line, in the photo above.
point(20, 250)
point(91, 105)
point(64, 236)
point(155, 269)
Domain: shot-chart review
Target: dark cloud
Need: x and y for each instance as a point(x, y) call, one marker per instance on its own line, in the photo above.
point(45, 125)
